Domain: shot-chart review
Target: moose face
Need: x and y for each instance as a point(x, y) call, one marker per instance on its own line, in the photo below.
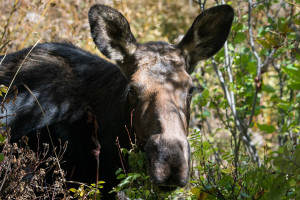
point(159, 85)
point(160, 92)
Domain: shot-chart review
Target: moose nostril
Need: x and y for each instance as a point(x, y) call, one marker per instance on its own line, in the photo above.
point(168, 161)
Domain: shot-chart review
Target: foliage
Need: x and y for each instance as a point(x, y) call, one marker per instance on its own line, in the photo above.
point(137, 184)
point(88, 192)
point(23, 172)
point(262, 83)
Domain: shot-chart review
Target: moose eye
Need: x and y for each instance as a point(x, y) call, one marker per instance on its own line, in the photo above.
point(191, 90)
point(132, 91)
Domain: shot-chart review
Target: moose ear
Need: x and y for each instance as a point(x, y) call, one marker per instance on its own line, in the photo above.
point(207, 34)
point(111, 33)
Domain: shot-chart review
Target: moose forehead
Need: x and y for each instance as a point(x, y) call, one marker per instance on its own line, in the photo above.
point(160, 63)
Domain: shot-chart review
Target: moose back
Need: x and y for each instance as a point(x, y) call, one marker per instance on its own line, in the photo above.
point(88, 101)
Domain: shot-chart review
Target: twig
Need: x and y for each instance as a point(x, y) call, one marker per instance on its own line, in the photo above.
point(5, 45)
point(219, 114)
point(2, 59)
point(258, 72)
point(48, 130)
point(251, 38)
point(259, 65)
point(8, 20)
point(120, 154)
point(19, 69)
point(292, 3)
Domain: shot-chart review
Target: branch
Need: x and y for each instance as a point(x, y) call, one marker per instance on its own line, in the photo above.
point(251, 39)
point(239, 123)
point(263, 66)
point(292, 3)
point(260, 67)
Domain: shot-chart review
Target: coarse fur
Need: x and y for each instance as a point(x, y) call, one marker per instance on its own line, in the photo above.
point(81, 94)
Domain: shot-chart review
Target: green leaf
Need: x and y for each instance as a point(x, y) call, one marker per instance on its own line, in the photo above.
point(239, 37)
point(121, 176)
point(118, 171)
point(251, 67)
point(286, 152)
point(124, 151)
point(227, 171)
point(280, 162)
point(284, 107)
point(296, 156)
point(268, 88)
point(206, 113)
point(294, 85)
point(293, 71)
point(1, 157)
point(297, 21)
point(266, 128)
point(2, 138)
point(230, 47)
point(124, 183)
point(237, 27)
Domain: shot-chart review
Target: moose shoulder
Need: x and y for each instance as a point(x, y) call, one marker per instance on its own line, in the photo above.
point(87, 100)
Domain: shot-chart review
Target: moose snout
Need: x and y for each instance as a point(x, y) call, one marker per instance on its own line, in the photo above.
point(168, 161)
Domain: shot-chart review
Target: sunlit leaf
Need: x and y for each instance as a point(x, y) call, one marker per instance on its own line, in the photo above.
point(3, 88)
point(263, 43)
point(226, 171)
point(2, 138)
point(294, 85)
point(273, 39)
point(284, 107)
point(266, 128)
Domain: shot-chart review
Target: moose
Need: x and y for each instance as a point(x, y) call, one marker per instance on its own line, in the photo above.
point(83, 99)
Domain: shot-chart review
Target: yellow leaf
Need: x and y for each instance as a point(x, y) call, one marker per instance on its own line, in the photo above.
point(196, 191)
point(263, 43)
point(226, 171)
point(297, 21)
point(81, 193)
point(72, 190)
point(203, 196)
point(273, 39)
point(3, 88)
point(200, 194)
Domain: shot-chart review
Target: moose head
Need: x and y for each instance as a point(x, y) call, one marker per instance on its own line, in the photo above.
point(160, 87)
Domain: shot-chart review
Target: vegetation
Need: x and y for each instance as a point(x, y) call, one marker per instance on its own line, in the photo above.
point(245, 119)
